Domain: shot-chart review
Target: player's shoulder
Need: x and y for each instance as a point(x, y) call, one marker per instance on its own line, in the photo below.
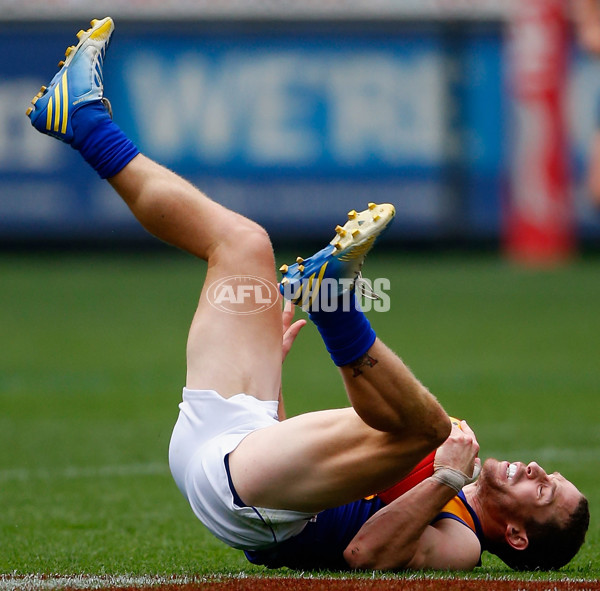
point(447, 545)
point(464, 545)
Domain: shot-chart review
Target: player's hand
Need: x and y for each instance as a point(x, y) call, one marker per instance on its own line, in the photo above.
point(460, 450)
point(290, 330)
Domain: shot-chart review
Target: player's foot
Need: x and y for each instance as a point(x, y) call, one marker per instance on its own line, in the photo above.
point(341, 260)
point(79, 82)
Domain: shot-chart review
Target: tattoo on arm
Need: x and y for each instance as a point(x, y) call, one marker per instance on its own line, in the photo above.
point(365, 361)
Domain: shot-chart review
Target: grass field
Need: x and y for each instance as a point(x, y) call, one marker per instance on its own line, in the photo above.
point(92, 366)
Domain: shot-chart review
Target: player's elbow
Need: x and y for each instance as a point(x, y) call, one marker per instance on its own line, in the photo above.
point(359, 558)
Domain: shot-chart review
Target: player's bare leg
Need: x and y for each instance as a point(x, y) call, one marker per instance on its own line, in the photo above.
point(325, 285)
point(226, 352)
point(322, 458)
point(306, 463)
point(327, 458)
point(222, 349)
point(337, 456)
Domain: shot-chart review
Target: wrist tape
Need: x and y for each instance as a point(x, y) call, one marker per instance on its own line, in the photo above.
point(453, 478)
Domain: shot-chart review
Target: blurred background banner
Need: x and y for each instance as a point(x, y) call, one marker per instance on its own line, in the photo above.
point(288, 112)
point(253, 9)
point(539, 225)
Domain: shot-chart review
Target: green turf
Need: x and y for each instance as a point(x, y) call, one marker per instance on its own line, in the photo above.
point(92, 366)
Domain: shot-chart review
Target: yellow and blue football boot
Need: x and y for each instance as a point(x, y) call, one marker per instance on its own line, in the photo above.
point(340, 261)
point(78, 82)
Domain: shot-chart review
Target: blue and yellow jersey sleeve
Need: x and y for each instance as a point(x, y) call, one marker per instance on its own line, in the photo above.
point(459, 509)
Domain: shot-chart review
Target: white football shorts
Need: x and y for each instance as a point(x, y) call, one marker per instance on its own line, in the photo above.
point(210, 427)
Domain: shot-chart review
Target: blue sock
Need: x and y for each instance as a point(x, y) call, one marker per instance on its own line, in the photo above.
point(346, 331)
point(101, 142)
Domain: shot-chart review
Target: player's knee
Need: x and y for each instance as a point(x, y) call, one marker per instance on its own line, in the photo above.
point(437, 427)
point(245, 240)
point(442, 426)
point(431, 433)
point(256, 244)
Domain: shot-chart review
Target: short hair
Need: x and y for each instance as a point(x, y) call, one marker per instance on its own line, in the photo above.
point(550, 546)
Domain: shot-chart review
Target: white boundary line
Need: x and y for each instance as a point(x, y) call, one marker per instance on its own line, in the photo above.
point(44, 582)
point(51, 582)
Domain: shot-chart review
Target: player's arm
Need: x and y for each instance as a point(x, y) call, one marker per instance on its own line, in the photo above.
point(399, 535)
point(447, 545)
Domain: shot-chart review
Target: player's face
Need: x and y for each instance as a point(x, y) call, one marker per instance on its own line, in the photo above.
point(525, 491)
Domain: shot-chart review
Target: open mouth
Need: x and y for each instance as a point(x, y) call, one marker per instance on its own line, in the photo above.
point(511, 470)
